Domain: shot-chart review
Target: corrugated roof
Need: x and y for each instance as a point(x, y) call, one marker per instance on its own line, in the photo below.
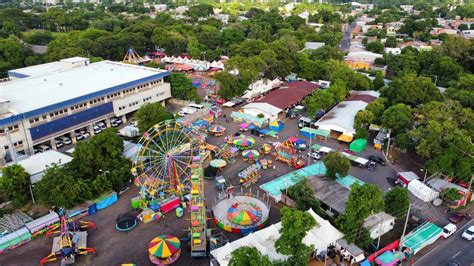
point(288, 93)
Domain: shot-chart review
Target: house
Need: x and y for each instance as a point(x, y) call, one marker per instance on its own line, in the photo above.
point(407, 8)
point(313, 45)
point(468, 34)
point(37, 164)
point(340, 120)
point(394, 51)
point(379, 224)
point(361, 60)
point(269, 111)
point(439, 185)
point(322, 235)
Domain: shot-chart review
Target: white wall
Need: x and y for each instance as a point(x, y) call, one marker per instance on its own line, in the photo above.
point(131, 103)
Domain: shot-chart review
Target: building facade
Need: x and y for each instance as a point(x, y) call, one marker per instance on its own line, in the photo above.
point(60, 99)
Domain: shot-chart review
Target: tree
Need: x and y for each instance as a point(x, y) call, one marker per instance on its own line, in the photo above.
point(303, 195)
point(59, 188)
point(151, 114)
point(375, 47)
point(364, 200)
point(294, 226)
point(182, 87)
point(377, 107)
point(397, 201)
point(12, 55)
point(172, 41)
point(14, 184)
point(200, 11)
point(459, 49)
point(338, 89)
point(398, 118)
point(451, 195)
point(378, 82)
point(230, 85)
point(38, 37)
point(231, 36)
point(411, 90)
point(363, 119)
point(391, 42)
point(248, 256)
point(336, 165)
point(320, 99)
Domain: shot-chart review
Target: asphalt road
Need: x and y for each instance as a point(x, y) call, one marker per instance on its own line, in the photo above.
point(446, 250)
point(346, 40)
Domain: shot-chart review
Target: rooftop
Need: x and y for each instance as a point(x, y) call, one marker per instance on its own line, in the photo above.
point(330, 193)
point(265, 107)
point(48, 68)
point(288, 93)
point(36, 95)
point(341, 117)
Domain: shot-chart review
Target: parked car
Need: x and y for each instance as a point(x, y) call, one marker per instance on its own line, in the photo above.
point(85, 134)
point(457, 217)
point(371, 166)
point(43, 148)
point(468, 234)
point(65, 140)
point(449, 230)
point(102, 125)
point(314, 155)
point(97, 129)
point(79, 136)
point(377, 159)
point(348, 151)
point(59, 144)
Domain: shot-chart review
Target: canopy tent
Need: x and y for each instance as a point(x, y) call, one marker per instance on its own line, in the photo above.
point(345, 138)
point(323, 149)
point(276, 126)
point(358, 145)
point(14, 239)
point(241, 117)
point(42, 222)
point(424, 235)
point(201, 123)
point(422, 191)
point(218, 163)
point(250, 154)
point(272, 133)
point(216, 129)
point(389, 258)
point(313, 133)
point(164, 246)
point(321, 236)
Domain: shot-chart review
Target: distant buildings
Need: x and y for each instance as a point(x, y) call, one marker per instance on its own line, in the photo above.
point(361, 60)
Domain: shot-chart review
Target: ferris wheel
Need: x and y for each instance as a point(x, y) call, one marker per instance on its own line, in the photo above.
point(164, 157)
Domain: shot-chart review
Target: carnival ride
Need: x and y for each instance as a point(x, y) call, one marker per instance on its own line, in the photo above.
point(250, 175)
point(164, 249)
point(126, 222)
point(132, 57)
point(71, 241)
point(198, 229)
point(243, 213)
point(162, 164)
point(286, 152)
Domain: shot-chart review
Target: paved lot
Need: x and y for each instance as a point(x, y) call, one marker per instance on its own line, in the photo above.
point(446, 250)
point(114, 248)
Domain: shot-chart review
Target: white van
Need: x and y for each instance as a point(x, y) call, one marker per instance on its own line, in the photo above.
point(196, 106)
point(187, 111)
point(43, 148)
point(448, 230)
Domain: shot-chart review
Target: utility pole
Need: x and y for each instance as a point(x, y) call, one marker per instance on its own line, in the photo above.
point(31, 192)
point(388, 144)
point(404, 228)
point(469, 189)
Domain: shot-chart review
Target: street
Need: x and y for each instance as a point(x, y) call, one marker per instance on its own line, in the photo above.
point(443, 251)
point(346, 40)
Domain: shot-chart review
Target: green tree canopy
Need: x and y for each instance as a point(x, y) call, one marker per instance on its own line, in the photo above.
point(182, 87)
point(248, 256)
point(14, 184)
point(336, 165)
point(303, 195)
point(150, 114)
point(294, 226)
point(451, 195)
point(320, 99)
point(398, 118)
point(397, 201)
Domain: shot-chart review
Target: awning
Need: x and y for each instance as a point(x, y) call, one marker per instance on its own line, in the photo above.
point(272, 133)
point(345, 138)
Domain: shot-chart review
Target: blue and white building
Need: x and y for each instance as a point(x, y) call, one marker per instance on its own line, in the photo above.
point(52, 100)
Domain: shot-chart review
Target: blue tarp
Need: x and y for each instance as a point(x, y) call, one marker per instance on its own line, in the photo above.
point(276, 126)
point(200, 123)
point(264, 131)
point(105, 201)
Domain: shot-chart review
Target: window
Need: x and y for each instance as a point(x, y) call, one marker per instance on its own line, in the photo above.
point(44, 117)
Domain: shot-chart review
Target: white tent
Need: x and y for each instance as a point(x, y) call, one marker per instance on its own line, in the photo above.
point(422, 191)
point(321, 236)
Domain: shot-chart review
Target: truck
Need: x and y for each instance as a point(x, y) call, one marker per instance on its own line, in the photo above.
point(305, 122)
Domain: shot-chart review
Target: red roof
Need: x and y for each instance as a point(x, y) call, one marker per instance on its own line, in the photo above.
point(288, 93)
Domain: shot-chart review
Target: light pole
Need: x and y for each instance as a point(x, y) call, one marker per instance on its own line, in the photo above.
point(426, 173)
point(31, 192)
point(105, 172)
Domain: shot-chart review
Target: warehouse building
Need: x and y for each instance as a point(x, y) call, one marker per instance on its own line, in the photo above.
point(62, 99)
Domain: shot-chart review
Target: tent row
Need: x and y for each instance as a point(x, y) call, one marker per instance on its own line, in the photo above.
point(196, 64)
